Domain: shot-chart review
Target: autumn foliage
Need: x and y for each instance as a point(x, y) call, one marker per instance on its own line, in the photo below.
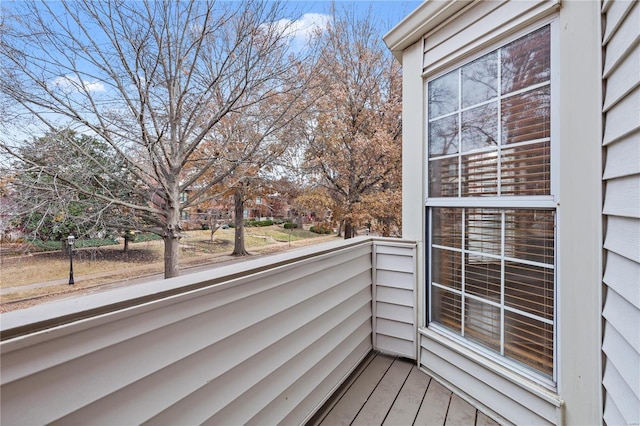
point(353, 140)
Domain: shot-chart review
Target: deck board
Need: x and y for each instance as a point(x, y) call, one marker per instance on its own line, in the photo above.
point(348, 407)
point(433, 410)
point(460, 412)
point(381, 400)
point(388, 390)
point(406, 407)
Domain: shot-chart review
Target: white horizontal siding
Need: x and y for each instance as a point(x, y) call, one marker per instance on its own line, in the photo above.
point(623, 118)
point(623, 237)
point(620, 276)
point(622, 197)
point(621, 141)
point(478, 28)
point(624, 79)
point(616, 346)
point(616, 12)
point(266, 344)
point(624, 35)
point(394, 298)
point(490, 387)
point(623, 157)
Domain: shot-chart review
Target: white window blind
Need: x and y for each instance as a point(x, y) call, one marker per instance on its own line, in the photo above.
point(492, 270)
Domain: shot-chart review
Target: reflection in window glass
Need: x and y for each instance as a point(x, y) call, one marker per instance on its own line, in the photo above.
point(447, 227)
point(529, 235)
point(443, 136)
point(526, 61)
point(526, 170)
point(479, 127)
point(527, 116)
point(443, 95)
point(480, 80)
point(480, 174)
point(443, 177)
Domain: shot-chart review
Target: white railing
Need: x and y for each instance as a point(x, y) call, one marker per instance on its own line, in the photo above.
point(264, 341)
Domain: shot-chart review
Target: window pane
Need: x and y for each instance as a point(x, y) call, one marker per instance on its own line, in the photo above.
point(447, 227)
point(482, 277)
point(529, 341)
point(482, 323)
point(529, 288)
point(526, 170)
point(443, 177)
point(446, 268)
point(483, 231)
point(480, 174)
point(480, 80)
point(447, 309)
point(443, 136)
point(530, 235)
point(443, 95)
point(480, 127)
point(526, 61)
point(527, 116)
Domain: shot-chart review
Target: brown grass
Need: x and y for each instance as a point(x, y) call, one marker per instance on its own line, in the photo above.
point(107, 265)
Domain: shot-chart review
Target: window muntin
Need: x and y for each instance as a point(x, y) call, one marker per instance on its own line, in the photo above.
point(492, 270)
point(494, 111)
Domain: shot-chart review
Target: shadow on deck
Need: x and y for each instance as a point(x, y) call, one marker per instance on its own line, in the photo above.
point(388, 390)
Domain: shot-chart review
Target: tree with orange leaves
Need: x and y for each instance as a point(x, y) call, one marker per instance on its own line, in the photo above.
point(353, 135)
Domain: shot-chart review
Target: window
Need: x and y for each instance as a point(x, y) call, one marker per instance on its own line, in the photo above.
point(490, 203)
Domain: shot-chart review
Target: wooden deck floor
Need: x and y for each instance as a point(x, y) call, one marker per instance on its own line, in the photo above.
point(387, 390)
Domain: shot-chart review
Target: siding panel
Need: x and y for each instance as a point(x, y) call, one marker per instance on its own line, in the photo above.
point(621, 311)
point(623, 118)
point(622, 275)
point(510, 401)
point(623, 157)
point(448, 44)
point(624, 80)
point(204, 352)
point(623, 237)
point(622, 197)
point(626, 402)
point(623, 40)
point(394, 310)
point(616, 346)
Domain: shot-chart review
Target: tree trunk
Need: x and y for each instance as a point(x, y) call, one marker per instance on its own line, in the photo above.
point(349, 230)
point(238, 246)
point(126, 243)
point(171, 240)
point(171, 254)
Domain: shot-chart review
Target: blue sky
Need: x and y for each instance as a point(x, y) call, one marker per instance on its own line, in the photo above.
point(389, 12)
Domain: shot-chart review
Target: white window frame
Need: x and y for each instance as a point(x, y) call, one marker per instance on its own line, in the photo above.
point(551, 201)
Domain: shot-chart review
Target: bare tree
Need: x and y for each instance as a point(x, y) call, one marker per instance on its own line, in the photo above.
point(154, 81)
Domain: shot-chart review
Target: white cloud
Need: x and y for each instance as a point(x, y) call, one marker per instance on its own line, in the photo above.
point(71, 83)
point(304, 27)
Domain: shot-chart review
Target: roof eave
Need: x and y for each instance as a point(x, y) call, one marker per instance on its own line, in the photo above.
point(423, 19)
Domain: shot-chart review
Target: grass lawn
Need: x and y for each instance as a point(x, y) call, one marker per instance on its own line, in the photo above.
point(108, 264)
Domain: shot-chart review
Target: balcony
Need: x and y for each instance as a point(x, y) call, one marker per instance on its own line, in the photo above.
point(288, 339)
